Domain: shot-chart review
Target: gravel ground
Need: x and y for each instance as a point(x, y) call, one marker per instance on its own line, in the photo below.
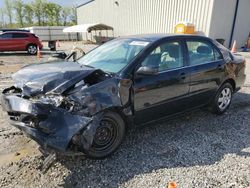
point(196, 150)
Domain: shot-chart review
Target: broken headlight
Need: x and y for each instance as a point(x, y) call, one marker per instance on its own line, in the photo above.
point(55, 100)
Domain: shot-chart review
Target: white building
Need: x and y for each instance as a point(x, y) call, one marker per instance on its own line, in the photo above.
point(227, 19)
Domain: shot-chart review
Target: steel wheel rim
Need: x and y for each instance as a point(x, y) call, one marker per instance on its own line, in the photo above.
point(32, 49)
point(105, 135)
point(224, 98)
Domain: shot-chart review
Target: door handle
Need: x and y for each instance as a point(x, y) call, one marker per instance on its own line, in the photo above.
point(183, 76)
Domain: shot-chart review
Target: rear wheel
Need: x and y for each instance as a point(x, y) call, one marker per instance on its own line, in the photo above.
point(222, 99)
point(32, 49)
point(108, 136)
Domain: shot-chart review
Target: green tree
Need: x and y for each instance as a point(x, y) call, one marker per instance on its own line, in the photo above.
point(2, 20)
point(50, 13)
point(57, 16)
point(8, 10)
point(53, 13)
point(65, 15)
point(18, 7)
point(37, 12)
point(73, 16)
point(29, 13)
point(38, 7)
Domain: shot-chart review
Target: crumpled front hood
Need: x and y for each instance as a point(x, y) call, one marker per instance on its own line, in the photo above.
point(53, 77)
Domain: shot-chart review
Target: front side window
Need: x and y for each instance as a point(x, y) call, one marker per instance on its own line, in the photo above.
point(166, 56)
point(113, 56)
point(201, 52)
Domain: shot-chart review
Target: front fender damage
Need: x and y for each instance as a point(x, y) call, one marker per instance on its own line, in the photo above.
point(71, 125)
point(52, 127)
point(93, 101)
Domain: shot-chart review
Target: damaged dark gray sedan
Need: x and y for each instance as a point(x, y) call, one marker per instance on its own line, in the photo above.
point(86, 106)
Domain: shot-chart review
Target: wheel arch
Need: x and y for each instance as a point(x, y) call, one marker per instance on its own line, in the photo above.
point(230, 81)
point(119, 110)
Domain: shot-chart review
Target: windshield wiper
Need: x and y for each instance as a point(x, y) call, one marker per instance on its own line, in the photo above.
point(88, 66)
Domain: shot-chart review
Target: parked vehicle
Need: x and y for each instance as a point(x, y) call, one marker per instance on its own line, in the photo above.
point(19, 41)
point(87, 106)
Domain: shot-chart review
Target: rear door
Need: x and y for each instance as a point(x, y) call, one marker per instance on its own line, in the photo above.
point(206, 70)
point(6, 42)
point(166, 92)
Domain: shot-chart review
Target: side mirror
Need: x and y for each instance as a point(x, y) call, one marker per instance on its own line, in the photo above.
point(71, 55)
point(75, 55)
point(147, 71)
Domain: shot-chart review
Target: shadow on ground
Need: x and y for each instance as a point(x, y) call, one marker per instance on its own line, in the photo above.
point(196, 138)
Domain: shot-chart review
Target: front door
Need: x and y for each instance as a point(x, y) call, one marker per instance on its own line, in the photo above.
point(165, 92)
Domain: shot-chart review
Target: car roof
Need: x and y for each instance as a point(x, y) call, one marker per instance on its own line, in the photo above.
point(155, 37)
point(22, 32)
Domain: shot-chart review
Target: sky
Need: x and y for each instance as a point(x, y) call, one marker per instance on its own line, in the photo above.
point(60, 2)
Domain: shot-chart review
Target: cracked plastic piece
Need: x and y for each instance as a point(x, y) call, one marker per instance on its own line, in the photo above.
point(48, 162)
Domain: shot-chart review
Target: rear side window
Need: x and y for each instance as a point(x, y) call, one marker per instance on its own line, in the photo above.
point(6, 36)
point(20, 35)
point(201, 52)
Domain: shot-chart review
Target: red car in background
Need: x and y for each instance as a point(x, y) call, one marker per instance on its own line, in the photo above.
point(20, 41)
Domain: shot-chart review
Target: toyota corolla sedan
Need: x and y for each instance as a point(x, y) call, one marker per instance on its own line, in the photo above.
point(86, 106)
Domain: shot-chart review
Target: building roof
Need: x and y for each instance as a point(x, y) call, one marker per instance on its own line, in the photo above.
point(84, 28)
point(86, 2)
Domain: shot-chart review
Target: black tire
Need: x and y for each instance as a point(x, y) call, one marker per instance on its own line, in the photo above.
point(108, 137)
point(32, 49)
point(223, 99)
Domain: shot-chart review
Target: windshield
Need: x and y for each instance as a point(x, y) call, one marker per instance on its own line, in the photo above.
point(113, 56)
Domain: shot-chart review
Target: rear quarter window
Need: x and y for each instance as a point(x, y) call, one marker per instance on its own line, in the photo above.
point(226, 54)
point(217, 54)
point(20, 35)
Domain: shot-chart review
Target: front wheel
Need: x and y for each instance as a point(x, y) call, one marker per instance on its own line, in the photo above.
point(108, 136)
point(32, 49)
point(222, 99)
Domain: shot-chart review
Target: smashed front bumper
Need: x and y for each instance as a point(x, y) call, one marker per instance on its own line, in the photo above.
point(51, 127)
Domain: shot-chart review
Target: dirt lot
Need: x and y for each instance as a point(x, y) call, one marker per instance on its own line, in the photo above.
point(196, 150)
